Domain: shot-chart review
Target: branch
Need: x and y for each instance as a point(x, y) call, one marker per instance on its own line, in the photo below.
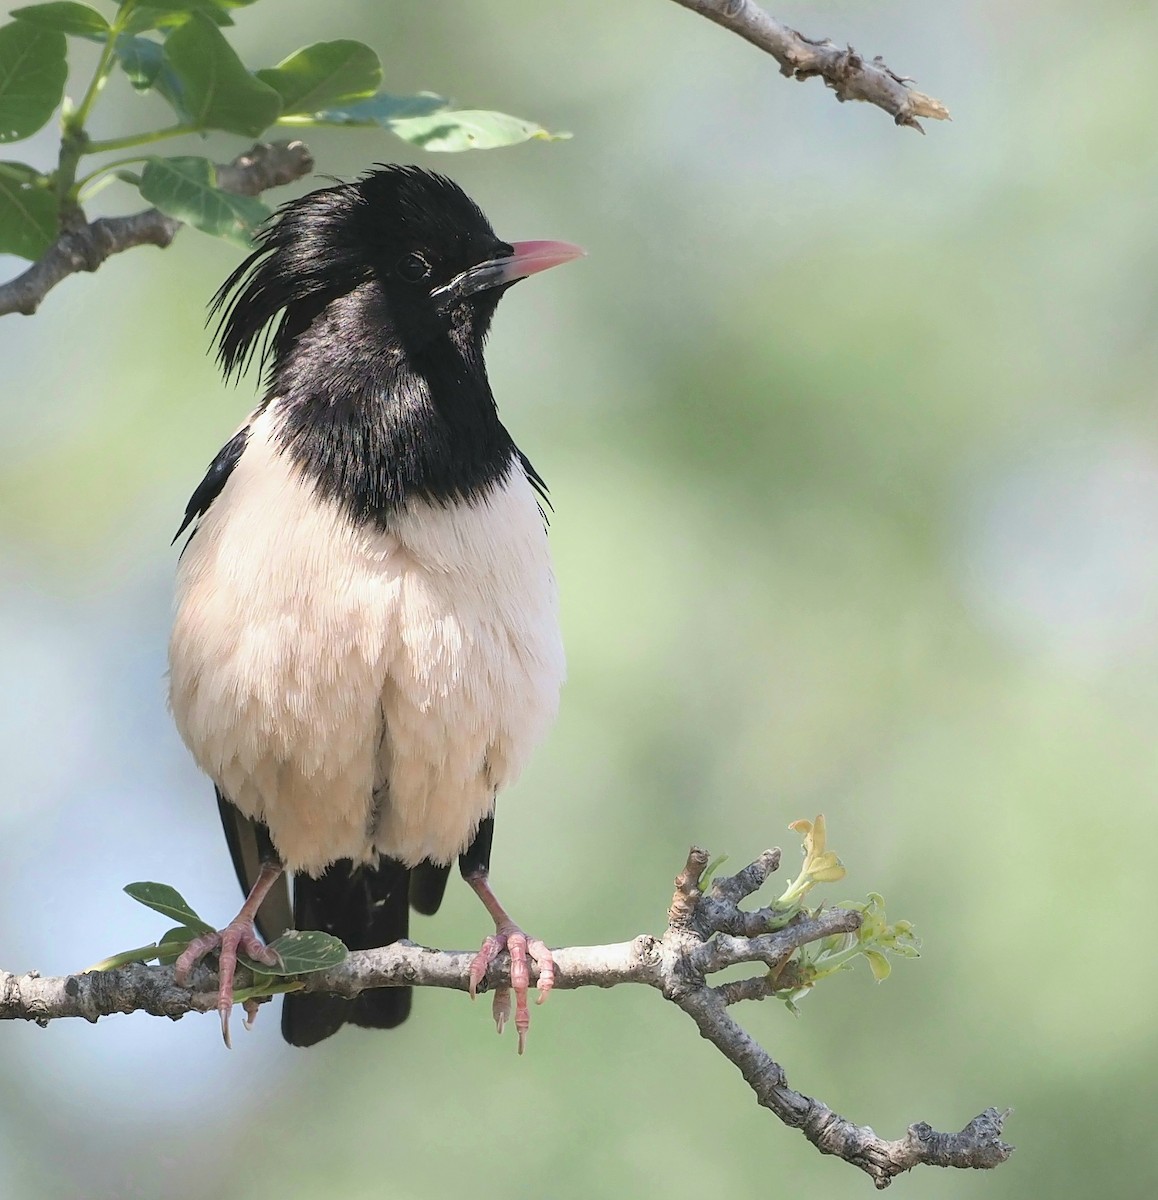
point(849, 75)
point(707, 932)
point(85, 248)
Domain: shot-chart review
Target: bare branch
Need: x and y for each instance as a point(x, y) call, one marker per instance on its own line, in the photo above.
point(261, 167)
point(850, 76)
point(978, 1145)
point(698, 942)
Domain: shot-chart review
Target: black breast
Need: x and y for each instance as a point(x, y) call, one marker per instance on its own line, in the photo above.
point(373, 422)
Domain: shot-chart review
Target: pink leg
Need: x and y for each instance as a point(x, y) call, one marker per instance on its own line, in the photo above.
point(508, 936)
point(239, 934)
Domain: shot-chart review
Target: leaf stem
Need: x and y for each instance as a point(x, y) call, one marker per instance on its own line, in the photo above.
point(109, 166)
point(138, 139)
point(77, 119)
point(85, 192)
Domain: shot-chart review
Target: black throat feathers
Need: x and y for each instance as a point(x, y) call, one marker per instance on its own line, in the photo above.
point(374, 414)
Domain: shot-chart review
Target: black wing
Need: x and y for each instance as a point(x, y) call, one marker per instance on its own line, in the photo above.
point(210, 487)
point(427, 885)
point(539, 484)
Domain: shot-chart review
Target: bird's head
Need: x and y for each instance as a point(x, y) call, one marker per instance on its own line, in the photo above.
point(410, 248)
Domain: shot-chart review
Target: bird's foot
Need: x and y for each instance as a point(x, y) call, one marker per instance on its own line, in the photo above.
point(239, 934)
point(508, 936)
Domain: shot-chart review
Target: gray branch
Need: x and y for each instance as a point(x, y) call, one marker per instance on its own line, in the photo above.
point(850, 76)
point(707, 932)
point(85, 248)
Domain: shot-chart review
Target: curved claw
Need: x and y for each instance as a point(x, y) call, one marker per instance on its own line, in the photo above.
point(239, 934)
point(491, 948)
point(501, 1008)
point(522, 951)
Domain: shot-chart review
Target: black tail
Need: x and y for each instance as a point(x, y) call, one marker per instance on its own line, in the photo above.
point(365, 907)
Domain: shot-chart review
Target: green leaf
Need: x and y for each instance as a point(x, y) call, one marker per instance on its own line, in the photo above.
point(160, 15)
point(177, 6)
point(143, 61)
point(66, 16)
point(879, 965)
point(186, 188)
point(23, 173)
point(302, 951)
point(32, 74)
point(265, 985)
point(217, 92)
point(378, 110)
point(142, 954)
point(425, 120)
point(466, 129)
point(143, 20)
point(324, 74)
point(779, 916)
point(171, 944)
point(710, 870)
point(27, 212)
point(169, 902)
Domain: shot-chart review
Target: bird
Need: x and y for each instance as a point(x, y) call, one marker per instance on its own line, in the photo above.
point(365, 645)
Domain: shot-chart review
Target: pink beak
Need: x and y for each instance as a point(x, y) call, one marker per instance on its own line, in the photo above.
point(526, 258)
point(530, 258)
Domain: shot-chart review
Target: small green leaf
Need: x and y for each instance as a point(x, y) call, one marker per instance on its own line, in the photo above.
point(32, 74)
point(710, 871)
point(879, 965)
point(28, 212)
point(66, 16)
point(266, 985)
point(217, 92)
point(302, 951)
point(186, 188)
point(377, 110)
point(142, 954)
point(426, 121)
point(143, 61)
point(779, 916)
point(23, 173)
point(467, 129)
point(214, 9)
point(177, 6)
point(146, 19)
point(324, 74)
point(171, 944)
point(140, 59)
point(169, 902)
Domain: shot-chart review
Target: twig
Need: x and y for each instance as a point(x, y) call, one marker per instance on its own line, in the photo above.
point(850, 76)
point(697, 943)
point(86, 248)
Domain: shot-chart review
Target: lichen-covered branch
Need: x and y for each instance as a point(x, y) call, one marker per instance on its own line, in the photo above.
point(707, 932)
point(85, 248)
point(849, 74)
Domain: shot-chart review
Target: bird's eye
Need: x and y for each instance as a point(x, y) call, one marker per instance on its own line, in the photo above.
point(412, 268)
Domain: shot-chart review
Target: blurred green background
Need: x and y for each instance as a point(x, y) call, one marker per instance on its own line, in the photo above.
point(851, 438)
